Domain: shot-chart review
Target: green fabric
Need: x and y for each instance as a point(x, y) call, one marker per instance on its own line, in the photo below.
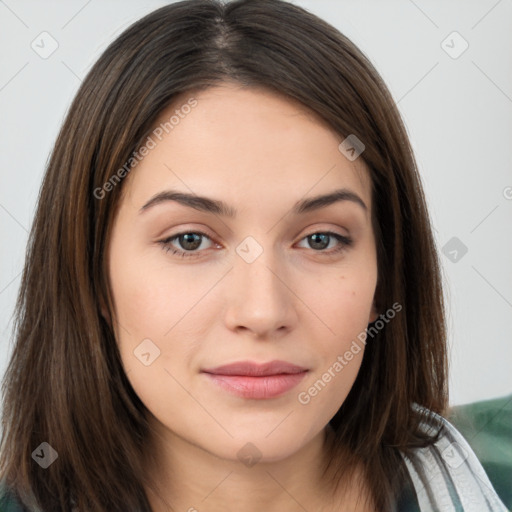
point(8, 503)
point(487, 427)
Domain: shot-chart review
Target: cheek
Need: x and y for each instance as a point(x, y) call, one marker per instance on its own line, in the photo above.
point(147, 308)
point(157, 314)
point(342, 305)
point(338, 353)
point(328, 387)
point(147, 301)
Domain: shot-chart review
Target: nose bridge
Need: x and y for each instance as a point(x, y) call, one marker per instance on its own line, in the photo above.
point(259, 299)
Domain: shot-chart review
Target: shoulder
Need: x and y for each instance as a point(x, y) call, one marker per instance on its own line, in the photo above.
point(447, 475)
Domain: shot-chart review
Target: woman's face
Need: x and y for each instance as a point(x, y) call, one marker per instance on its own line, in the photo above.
point(260, 280)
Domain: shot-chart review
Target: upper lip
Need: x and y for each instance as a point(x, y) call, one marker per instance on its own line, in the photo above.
point(251, 368)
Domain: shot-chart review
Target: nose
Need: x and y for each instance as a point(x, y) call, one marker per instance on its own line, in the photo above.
point(259, 298)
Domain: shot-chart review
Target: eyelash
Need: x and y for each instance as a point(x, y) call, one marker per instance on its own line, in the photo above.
point(345, 242)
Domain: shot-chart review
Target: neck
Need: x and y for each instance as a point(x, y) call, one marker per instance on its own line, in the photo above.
point(188, 478)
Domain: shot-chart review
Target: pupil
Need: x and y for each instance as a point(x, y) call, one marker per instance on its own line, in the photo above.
point(315, 238)
point(189, 239)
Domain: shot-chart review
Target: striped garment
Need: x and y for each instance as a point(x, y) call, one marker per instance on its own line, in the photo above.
point(447, 476)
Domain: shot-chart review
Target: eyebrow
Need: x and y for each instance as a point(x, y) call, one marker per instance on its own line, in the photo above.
point(217, 207)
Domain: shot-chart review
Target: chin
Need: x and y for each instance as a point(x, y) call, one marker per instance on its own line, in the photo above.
point(256, 445)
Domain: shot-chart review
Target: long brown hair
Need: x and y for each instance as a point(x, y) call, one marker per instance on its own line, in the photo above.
point(65, 383)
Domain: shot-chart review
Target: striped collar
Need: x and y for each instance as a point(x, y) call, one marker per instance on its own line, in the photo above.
point(447, 476)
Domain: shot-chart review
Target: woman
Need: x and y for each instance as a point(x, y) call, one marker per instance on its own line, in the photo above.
point(231, 297)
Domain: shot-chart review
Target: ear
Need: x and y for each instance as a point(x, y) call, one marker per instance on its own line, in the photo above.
point(104, 311)
point(374, 314)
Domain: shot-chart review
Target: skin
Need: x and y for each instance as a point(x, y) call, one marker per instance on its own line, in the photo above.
point(260, 153)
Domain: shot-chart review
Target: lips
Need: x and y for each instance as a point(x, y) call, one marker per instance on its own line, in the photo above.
point(252, 380)
point(248, 368)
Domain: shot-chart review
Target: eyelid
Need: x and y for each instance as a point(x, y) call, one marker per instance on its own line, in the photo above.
point(344, 242)
point(308, 231)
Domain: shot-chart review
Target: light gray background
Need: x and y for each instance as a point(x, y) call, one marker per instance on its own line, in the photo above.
point(458, 112)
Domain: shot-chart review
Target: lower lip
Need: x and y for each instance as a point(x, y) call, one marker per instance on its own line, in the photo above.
point(269, 386)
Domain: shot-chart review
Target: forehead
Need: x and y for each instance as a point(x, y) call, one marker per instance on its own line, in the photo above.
point(237, 139)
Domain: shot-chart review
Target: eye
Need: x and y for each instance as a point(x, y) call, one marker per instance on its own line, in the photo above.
point(321, 240)
point(191, 241)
